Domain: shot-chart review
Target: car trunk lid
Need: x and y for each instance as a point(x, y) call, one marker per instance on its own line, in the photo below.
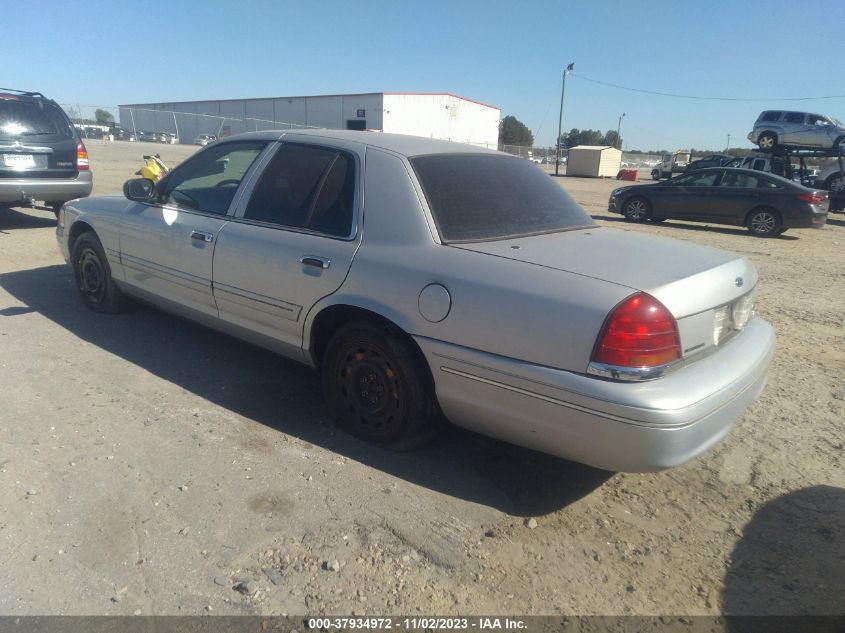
point(699, 285)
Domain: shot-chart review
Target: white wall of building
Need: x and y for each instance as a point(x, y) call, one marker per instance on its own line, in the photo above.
point(442, 116)
point(439, 116)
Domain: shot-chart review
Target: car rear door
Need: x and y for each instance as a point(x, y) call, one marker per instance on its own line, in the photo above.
point(794, 128)
point(291, 241)
point(736, 194)
point(167, 248)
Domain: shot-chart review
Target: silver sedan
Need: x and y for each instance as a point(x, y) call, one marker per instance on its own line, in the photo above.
point(428, 280)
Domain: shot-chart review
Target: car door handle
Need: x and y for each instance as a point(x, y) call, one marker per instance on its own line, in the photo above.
point(202, 236)
point(314, 260)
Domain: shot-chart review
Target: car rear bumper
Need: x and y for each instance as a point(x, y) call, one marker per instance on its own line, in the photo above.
point(14, 190)
point(618, 426)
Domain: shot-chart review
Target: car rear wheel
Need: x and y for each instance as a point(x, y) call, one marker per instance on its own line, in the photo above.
point(768, 140)
point(764, 223)
point(377, 386)
point(637, 210)
point(835, 183)
point(93, 275)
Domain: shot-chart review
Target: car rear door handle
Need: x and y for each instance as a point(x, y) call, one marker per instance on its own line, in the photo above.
point(314, 260)
point(202, 236)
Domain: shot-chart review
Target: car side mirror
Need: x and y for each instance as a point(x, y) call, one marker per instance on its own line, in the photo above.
point(139, 189)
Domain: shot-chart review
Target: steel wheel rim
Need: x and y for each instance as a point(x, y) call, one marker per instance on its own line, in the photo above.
point(91, 276)
point(763, 223)
point(370, 389)
point(636, 209)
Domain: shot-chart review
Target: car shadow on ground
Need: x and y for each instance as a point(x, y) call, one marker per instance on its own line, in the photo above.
point(678, 224)
point(286, 396)
point(13, 219)
point(791, 559)
point(836, 221)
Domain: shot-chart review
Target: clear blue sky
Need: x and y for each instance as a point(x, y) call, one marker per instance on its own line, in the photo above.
point(506, 53)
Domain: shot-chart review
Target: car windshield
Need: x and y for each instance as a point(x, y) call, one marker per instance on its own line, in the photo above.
point(37, 119)
point(836, 121)
point(479, 197)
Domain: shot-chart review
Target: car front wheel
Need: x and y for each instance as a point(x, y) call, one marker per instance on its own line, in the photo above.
point(764, 223)
point(637, 210)
point(93, 275)
point(377, 386)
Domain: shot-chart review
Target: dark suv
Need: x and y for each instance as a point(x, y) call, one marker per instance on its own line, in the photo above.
point(41, 154)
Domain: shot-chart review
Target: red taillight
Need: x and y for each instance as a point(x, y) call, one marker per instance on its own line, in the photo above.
point(640, 332)
point(814, 197)
point(81, 157)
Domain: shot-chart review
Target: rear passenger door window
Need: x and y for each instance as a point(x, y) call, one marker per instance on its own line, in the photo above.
point(306, 187)
point(740, 180)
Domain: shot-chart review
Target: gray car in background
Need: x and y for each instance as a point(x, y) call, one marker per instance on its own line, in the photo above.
point(425, 279)
point(42, 157)
point(796, 129)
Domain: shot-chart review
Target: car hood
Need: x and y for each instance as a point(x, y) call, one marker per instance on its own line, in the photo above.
point(687, 278)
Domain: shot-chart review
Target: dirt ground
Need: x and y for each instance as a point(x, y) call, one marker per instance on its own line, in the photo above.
point(152, 466)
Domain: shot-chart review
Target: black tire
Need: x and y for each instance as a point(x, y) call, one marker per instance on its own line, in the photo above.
point(839, 143)
point(767, 141)
point(764, 222)
point(378, 388)
point(93, 275)
point(637, 209)
point(55, 205)
point(835, 182)
point(655, 175)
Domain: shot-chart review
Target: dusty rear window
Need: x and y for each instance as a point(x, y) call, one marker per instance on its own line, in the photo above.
point(477, 197)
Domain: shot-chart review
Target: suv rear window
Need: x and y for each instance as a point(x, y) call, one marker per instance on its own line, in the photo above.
point(476, 197)
point(36, 119)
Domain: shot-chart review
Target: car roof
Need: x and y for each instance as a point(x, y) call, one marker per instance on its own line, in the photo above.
point(400, 143)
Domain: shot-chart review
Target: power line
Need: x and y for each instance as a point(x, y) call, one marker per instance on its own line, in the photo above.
point(701, 98)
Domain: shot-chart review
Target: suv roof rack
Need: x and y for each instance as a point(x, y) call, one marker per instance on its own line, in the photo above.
point(25, 93)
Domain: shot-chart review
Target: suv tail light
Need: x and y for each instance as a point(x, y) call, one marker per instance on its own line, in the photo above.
point(639, 332)
point(81, 157)
point(814, 197)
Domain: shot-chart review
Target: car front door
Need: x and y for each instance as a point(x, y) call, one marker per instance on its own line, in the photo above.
point(291, 241)
point(167, 247)
point(687, 197)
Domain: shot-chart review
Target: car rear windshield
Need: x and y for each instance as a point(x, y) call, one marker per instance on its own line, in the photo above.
point(477, 197)
point(36, 120)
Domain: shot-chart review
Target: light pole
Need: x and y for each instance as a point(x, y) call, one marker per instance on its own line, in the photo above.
point(618, 130)
point(566, 71)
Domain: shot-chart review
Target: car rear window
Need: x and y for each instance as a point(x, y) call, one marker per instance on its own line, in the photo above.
point(772, 115)
point(477, 197)
point(38, 120)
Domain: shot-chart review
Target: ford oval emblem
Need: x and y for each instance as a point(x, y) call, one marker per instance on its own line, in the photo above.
point(738, 281)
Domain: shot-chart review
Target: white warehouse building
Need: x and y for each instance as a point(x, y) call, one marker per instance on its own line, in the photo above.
point(434, 115)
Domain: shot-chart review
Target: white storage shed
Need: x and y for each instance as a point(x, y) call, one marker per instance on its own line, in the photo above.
point(598, 161)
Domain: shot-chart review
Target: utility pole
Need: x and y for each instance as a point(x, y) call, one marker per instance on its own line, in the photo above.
point(566, 71)
point(618, 130)
point(728, 146)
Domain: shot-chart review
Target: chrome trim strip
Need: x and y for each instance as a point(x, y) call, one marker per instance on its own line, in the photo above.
point(629, 374)
point(152, 268)
point(292, 308)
